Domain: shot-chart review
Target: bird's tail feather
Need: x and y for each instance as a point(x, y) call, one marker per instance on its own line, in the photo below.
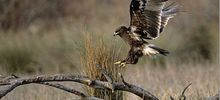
point(150, 49)
point(161, 51)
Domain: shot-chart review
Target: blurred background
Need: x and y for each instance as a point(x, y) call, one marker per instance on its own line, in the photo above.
point(51, 36)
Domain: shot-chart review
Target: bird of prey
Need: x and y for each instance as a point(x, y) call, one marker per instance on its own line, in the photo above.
point(148, 19)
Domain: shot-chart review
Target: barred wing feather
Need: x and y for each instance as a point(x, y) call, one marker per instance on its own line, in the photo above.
point(146, 17)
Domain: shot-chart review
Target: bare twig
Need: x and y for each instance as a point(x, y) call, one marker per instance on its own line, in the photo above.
point(183, 96)
point(108, 77)
point(105, 73)
point(122, 78)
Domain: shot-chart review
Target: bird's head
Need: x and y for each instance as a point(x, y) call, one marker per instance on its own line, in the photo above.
point(121, 30)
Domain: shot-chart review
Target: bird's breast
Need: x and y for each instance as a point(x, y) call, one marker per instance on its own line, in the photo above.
point(132, 40)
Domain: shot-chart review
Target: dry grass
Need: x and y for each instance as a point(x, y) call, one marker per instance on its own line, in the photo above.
point(170, 81)
point(49, 41)
point(97, 53)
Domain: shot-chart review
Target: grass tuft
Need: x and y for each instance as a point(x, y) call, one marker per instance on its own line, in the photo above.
point(96, 52)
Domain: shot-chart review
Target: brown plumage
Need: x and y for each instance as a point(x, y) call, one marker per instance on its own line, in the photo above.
point(148, 19)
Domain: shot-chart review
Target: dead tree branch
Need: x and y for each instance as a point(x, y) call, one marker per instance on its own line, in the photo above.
point(56, 85)
point(14, 82)
point(62, 87)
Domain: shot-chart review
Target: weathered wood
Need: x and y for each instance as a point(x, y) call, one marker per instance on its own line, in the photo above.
point(12, 83)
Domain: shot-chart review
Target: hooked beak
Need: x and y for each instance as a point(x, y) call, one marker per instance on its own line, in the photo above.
point(116, 33)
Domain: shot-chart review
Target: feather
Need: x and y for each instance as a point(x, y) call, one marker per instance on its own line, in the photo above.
point(146, 15)
point(167, 13)
point(150, 49)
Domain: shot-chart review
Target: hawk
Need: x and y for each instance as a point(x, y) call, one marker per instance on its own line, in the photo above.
point(148, 19)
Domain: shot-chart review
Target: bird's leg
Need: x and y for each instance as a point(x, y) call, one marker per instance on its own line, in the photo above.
point(122, 64)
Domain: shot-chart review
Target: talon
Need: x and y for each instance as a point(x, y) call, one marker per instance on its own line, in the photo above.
point(123, 65)
point(118, 62)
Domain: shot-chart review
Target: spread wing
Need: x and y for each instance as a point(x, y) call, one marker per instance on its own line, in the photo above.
point(167, 13)
point(146, 17)
point(149, 17)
